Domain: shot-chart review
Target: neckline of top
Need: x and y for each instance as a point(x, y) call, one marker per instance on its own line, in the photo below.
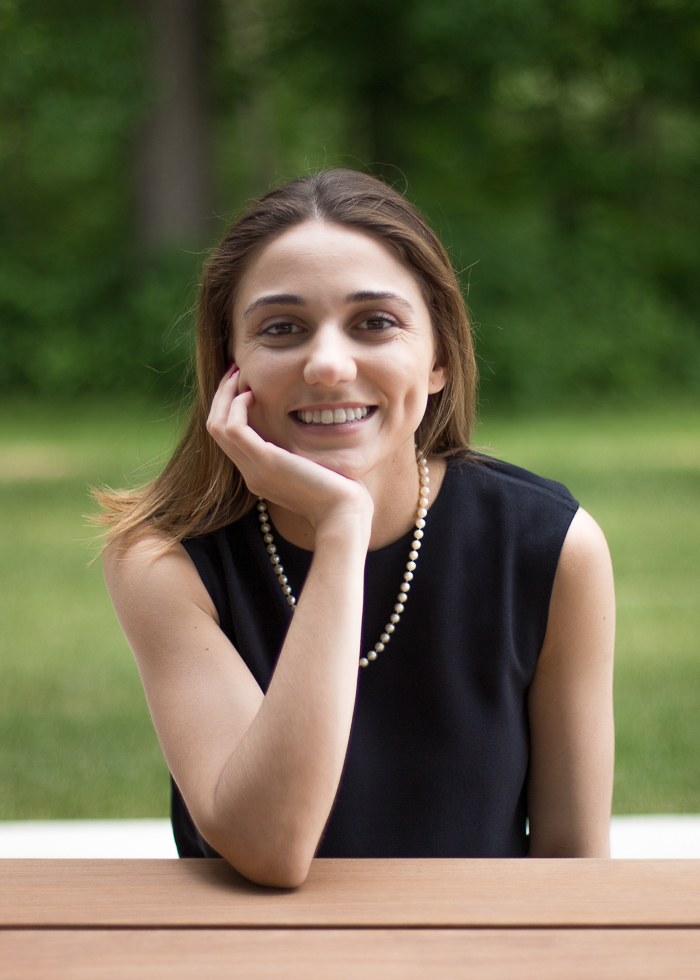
point(385, 549)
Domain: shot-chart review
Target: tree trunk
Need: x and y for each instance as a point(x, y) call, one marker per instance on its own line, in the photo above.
point(173, 171)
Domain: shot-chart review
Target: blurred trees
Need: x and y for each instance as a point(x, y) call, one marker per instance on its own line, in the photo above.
point(555, 144)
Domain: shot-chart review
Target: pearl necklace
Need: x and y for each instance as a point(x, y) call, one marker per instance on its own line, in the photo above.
point(265, 527)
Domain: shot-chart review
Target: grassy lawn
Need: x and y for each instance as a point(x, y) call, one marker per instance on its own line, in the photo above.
point(76, 739)
point(75, 736)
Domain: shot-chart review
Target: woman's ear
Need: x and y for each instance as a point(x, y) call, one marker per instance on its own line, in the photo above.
point(438, 373)
point(438, 380)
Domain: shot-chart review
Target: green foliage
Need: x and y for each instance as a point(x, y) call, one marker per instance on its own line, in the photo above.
point(80, 308)
point(555, 144)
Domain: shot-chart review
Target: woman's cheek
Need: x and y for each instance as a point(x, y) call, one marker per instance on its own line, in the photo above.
point(242, 381)
point(256, 420)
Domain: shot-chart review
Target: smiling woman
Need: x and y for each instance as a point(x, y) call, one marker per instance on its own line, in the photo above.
point(478, 594)
point(330, 348)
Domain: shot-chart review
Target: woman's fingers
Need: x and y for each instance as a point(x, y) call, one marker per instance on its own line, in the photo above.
point(294, 482)
point(228, 426)
point(223, 398)
point(228, 416)
point(228, 419)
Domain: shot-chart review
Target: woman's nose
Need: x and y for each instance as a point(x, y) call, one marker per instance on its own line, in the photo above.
point(330, 361)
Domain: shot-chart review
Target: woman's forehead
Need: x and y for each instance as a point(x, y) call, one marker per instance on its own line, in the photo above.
point(318, 256)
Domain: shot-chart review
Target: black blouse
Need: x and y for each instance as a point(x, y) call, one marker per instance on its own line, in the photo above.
point(438, 755)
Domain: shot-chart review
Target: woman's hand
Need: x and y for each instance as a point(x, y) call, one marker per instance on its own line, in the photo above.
point(300, 485)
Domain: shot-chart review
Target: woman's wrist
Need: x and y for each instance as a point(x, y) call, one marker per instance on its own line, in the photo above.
point(344, 529)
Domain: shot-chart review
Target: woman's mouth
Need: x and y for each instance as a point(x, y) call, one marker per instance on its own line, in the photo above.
point(333, 416)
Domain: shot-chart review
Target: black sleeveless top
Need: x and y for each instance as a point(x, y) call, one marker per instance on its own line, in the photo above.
point(438, 755)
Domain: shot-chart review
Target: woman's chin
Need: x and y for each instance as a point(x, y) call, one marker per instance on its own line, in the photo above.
point(349, 463)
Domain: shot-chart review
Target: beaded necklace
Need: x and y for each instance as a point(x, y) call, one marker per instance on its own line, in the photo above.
point(266, 529)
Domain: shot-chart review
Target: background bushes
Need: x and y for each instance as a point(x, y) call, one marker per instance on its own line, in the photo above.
point(555, 144)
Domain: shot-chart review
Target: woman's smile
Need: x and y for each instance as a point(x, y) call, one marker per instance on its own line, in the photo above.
point(334, 338)
point(333, 416)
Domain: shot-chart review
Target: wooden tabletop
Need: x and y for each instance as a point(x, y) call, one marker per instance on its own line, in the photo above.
point(485, 919)
point(359, 892)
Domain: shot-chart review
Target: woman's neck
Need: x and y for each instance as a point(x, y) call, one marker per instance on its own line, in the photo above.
point(395, 495)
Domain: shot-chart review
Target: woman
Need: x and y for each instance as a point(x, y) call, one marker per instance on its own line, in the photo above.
point(476, 597)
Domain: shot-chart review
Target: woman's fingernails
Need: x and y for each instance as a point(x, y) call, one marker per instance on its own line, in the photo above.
point(233, 369)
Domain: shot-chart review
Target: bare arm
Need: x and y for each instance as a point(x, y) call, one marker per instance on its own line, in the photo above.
point(258, 773)
point(570, 704)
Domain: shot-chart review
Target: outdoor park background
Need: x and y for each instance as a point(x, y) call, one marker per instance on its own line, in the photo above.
point(554, 144)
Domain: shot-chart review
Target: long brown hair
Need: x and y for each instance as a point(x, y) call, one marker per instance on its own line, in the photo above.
point(200, 489)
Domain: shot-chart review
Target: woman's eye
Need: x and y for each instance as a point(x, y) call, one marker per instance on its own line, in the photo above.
point(376, 323)
point(282, 329)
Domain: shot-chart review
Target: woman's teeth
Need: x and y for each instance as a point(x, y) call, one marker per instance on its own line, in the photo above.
point(334, 416)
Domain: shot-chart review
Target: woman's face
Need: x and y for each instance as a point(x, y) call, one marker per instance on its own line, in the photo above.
point(333, 336)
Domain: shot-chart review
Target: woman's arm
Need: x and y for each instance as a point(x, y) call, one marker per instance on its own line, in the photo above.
point(258, 773)
point(570, 704)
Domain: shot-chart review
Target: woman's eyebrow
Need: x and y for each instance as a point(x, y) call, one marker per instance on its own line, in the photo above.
point(276, 299)
point(291, 299)
point(368, 295)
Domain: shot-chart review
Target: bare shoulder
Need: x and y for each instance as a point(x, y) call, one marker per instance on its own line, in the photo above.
point(584, 546)
point(582, 607)
point(141, 575)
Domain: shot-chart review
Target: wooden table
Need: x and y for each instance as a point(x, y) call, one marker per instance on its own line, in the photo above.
point(402, 919)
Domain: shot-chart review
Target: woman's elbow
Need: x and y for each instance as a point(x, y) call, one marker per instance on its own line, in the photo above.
point(283, 863)
point(280, 870)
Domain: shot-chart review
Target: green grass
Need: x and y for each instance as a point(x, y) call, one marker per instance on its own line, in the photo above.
point(76, 739)
point(75, 736)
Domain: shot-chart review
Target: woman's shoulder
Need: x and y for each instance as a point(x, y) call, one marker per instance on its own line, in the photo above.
point(147, 559)
point(482, 473)
point(146, 576)
point(492, 503)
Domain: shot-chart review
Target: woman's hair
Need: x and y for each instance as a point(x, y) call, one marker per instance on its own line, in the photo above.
point(200, 489)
